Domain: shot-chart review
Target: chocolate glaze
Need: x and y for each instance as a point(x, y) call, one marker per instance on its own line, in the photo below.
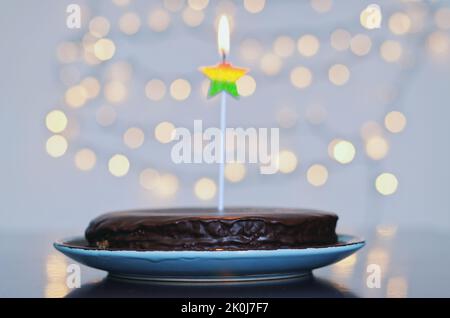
point(206, 229)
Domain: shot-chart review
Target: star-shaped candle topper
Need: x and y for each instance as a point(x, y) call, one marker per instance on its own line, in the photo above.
point(223, 78)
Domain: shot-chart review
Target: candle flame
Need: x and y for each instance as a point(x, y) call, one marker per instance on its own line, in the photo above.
point(223, 36)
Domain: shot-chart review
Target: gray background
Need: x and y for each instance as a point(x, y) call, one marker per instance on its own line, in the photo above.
point(39, 192)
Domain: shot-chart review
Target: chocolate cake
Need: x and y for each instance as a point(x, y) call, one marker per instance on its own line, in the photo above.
point(206, 229)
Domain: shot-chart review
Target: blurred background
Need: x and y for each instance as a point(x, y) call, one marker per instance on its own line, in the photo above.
point(86, 114)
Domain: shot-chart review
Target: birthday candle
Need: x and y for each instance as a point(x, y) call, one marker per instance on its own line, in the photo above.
point(223, 78)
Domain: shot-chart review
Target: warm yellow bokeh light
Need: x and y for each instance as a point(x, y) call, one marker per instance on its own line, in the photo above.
point(56, 121)
point(399, 23)
point(56, 146)
point(133, 137)
point(118, 165)
point(442, 18)
point(166, 186)
point(360, 44)
point(159, 20)
point(130, 23)
point(339, 74)
point(321, 6)
point(377, 147)
point(120, 71)
point(205, 189)
point(165, 132)
point(340, 39)
point(254, 6)
point(301, 77)
point(180, 89)
point(91, 86)
point(270, 64)
point(85, 159)
point(192, 17)
point(198, 4)
point(246, 85)
point(287, 161)
point(317, 175)
point(386, 183)
point(308, 45)
point(76, 96)
point(99, 27)
point(343, 151)
point(149, 179)
point(115, 92)
point(391, 51)
point(155, 89)
point(104, 49)
point(395, 122)
point(235, 171)
point(438, 44)
point(284, 46)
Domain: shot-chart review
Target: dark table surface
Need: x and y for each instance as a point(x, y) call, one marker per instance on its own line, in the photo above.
point(414, 263)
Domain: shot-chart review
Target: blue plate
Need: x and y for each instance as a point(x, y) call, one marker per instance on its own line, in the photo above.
point(209, 265)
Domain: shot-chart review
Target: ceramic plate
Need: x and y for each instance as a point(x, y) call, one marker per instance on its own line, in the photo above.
point(209, 265)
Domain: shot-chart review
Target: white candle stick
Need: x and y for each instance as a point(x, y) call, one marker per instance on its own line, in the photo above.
point(223, 124)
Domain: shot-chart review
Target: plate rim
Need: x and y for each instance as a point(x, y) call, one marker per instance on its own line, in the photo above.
point(351, 240)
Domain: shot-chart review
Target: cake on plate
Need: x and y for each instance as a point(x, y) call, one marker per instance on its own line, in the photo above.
point(207, 229)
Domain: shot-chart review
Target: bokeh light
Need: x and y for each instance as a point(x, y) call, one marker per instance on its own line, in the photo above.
point(339, 74)
point(165, 132)
point(91, 86)
point(254, 6)
point(284, 46)
point(317, 175)
point(118, 165)
point(360, 44)
point(235, 171)
point(115, 92)
point(371, 17)
point(301, 77)
point(56, 121)
point(377, 147)
point(342, 151)
point(270, 64)
point(246, 85)
point(149, 179)
point(395, 121)
point(85, 159)
point(391, 51)
point(56, 146)
point(133, 138)
point(399, 23)
point(167, 186)
point(205, 189)
point(180, 89)
point(158, 20)
point(308, 45)
point(104, 49)
point(76, 96)
point(442, 18)
point(130, 23)
point(386, 183)
point(287, 161)
point(193, 18)
point(99, 27)
point(321, 6)
point(340, 39)
point(198, 4)
point(155, 89)
point(174, 5)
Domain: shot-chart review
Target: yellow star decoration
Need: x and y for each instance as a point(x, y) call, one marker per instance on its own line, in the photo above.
point(223, 78)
